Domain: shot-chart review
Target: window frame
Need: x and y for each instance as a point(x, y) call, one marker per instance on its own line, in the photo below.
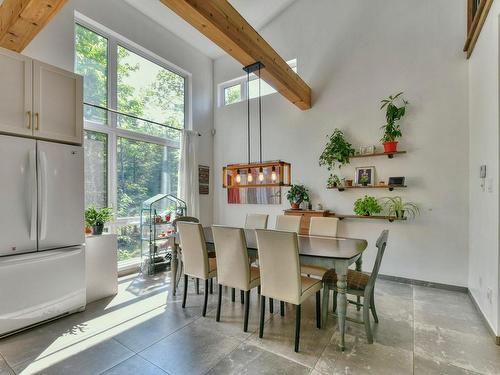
point(111, 129)
point(242, 81)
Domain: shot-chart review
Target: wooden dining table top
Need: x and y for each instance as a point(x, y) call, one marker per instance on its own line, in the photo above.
point(313, 246)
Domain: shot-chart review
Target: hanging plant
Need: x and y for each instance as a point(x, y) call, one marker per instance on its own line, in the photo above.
point(337, 151)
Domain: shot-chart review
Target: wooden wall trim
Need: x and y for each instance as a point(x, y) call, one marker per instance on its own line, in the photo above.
point(475, 24)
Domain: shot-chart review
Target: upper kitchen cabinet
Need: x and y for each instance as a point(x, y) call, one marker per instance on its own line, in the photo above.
point(39, 100)
point(57, 103)
point(16, 114)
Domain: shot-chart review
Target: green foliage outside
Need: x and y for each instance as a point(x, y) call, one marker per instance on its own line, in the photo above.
point(367, 206)
point(143, 169)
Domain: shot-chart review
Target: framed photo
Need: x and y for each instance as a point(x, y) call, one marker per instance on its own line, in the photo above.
point(366, 150)
point(365, 176)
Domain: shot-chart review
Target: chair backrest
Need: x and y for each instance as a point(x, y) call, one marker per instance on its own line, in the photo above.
point(279, 265)
point(194, 249)
point(323, 226)
point(188, 219)
point(256, 221)
point(288, 223)
point(233, 265)
point(381, 245)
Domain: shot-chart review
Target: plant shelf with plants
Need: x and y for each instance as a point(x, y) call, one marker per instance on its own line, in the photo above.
point(390, 155)
point(371, 217)
point(390, 187)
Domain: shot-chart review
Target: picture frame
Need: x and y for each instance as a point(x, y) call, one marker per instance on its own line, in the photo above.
point(365, 176)
point(366, 150)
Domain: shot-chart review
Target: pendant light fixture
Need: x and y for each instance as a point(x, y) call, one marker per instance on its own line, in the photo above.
point(280, 171)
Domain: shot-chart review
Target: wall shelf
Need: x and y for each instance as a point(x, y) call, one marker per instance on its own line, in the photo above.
point(390, 187)
point(375, 217)
point(390, 155)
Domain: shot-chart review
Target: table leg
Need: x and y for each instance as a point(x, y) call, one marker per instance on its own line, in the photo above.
point(359, 264)
point(174, 266)
point(341, 269)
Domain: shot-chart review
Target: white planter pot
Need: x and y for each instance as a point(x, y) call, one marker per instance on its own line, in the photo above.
point(101, 266)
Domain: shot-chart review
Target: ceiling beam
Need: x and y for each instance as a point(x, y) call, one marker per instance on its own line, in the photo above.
point(222, 24)
point(22, 20)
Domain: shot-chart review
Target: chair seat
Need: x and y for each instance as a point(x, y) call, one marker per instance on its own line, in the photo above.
point(309, 269)
point(309, 287)
point(355, 279)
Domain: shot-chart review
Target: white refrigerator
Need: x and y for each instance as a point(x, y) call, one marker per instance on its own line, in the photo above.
point(42, 256)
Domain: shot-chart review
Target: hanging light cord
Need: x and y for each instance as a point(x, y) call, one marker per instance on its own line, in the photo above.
point(248, 114)
point(260, 119)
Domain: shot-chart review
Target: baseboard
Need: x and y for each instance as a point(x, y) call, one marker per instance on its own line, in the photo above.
point(483, 317)
point(404, 280)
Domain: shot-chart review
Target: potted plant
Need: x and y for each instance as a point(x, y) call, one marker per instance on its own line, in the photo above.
point(364, 179)
point(337, 151)
point(97, 217)
point(334, 181)
point(393, 113)
point(367, 206)
point(296, 195)
point(394, 206)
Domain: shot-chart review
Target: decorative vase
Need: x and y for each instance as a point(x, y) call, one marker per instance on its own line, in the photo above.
point(390, 146)
point(97, 229)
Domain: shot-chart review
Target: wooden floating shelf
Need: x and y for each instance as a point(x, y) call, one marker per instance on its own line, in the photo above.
point(390, 155)
point(390, 187)
point(375, 217)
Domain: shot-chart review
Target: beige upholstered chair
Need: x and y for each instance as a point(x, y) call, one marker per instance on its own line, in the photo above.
point(359, 284)
point(280, 275)
point(288, 223)
point(320, 226)
point(195, 257)
point(256, 221)
point(233, 266)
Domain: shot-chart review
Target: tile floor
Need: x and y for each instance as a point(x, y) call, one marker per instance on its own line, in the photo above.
point(143, 330)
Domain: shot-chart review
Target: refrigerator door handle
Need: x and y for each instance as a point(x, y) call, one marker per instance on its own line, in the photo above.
point(32, 192)
point(43, 192)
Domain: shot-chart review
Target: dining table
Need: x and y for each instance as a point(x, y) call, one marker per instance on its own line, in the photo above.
point(329, 252)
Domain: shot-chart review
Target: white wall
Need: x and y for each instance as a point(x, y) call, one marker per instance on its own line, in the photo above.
point(353, 54)
point(483, 146)
point(54, 45)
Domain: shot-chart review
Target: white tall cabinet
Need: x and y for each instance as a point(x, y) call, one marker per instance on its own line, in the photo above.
point(39, 100)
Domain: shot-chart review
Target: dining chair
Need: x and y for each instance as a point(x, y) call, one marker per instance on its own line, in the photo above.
point(359, 284)
point(281, 278)
point(320, 226)
point(195, 257)
point(288, 223)
point(256, 221)
point(233, 265)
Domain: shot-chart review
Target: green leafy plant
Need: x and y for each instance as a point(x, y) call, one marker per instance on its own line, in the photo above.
point(297, 194)
point(393, 114)
point(98, 216)
point(394, 206)
point(337, 151)
point(333, 181)
point(364, 179)
point(367, 206)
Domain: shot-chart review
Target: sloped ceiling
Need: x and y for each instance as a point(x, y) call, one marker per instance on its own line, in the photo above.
point(257, 12)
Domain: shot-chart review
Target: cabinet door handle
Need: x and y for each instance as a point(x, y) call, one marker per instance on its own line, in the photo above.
point(37, 122)
point(29, 119)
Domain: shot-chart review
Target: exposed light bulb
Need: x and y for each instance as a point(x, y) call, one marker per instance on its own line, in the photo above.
point(273, 174)
point(261, 174)
point(238, 177)
point(249, 175)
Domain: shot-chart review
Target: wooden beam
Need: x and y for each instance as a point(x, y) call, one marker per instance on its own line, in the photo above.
point(476, 24)
point(22, 20)
point(221, 23)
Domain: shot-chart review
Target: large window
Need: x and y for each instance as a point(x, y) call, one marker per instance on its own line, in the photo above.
point(235, 90)
point(129, 154)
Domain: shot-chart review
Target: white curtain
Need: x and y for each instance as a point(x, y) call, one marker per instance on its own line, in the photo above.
point(189, 186)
